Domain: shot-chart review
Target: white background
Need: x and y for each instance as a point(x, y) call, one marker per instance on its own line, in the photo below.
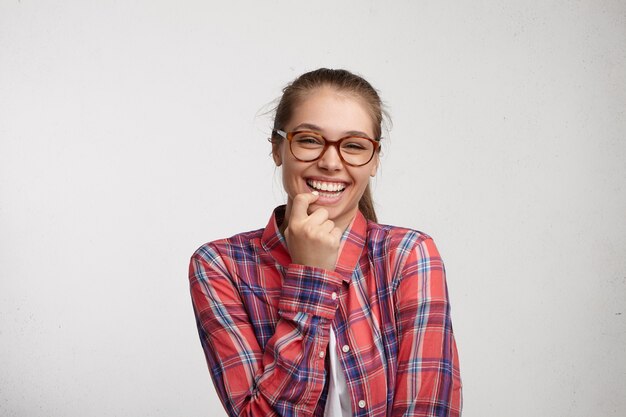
point(131, 132)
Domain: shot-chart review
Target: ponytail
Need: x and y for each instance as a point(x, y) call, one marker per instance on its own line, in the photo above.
point(366, 205)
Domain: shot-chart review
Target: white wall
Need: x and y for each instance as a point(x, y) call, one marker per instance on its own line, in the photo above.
point(130, 135)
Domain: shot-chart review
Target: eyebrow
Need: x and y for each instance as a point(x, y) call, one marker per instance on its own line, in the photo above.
point(316, 128)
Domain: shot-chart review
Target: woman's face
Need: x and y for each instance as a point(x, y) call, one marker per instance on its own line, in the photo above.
point(334, 115)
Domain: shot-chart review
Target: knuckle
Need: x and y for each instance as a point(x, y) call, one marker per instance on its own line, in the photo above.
point(309, 230)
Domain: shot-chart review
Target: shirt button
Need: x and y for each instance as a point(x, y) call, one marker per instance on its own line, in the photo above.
point(362, 404)
point(346, 349)
point(333, 296)
point(321, 354)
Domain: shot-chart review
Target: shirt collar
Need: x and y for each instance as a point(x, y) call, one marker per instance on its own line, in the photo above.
point(273, 241)
point(352, 243)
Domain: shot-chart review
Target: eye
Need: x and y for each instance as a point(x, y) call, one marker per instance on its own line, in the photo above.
point(355, 145)
point(308, 139)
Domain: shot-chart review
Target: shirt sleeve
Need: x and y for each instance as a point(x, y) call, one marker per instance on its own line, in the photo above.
point(285, 377)
point(428, 379)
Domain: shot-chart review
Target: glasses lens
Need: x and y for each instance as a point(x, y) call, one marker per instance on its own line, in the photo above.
point(356, 151)
point(307, 146)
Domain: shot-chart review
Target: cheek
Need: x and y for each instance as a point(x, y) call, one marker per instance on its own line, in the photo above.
point(364, 177)
point(291, 176)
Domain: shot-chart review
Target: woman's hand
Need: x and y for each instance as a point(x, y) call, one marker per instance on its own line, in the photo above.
point(312, 240)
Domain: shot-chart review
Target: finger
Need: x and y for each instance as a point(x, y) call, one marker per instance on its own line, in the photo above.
point(319, 216)
point(327, 226)
point(300, 206)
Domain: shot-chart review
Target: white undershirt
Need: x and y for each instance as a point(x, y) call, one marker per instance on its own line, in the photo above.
point(338, 402)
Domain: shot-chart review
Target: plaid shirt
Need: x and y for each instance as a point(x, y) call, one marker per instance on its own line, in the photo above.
point(264, 323)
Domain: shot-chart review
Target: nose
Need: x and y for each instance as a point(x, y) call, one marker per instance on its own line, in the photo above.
point(330, 159)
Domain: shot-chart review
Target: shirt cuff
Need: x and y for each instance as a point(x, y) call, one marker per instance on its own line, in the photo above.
point(310, 290)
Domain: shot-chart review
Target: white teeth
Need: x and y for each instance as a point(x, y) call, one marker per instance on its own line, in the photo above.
point(326, 186)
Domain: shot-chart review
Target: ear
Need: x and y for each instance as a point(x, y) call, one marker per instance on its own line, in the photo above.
point(374, 165)
point(276, 154)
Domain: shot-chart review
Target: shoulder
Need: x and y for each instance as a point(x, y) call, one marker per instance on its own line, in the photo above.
point(232, 247)
point(394, 237)
point(399, 247)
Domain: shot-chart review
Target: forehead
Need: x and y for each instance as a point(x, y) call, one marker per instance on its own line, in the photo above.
point(334, 111)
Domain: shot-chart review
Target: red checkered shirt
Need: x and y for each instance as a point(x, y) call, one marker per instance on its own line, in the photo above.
point(264, 323)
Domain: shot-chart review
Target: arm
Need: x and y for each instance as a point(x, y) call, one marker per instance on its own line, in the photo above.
point(428, 379)
point(287, 375)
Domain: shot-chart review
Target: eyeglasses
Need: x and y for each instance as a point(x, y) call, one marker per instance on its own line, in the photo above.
point(307, 146)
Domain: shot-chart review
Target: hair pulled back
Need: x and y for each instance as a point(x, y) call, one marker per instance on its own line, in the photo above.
point(342, 81)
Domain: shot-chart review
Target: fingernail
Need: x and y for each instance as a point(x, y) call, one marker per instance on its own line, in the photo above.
point(315, 193)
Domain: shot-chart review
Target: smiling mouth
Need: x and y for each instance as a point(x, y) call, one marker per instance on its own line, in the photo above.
point(325, 188)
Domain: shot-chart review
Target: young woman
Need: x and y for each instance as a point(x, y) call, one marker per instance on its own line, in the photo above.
point(325, 312)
